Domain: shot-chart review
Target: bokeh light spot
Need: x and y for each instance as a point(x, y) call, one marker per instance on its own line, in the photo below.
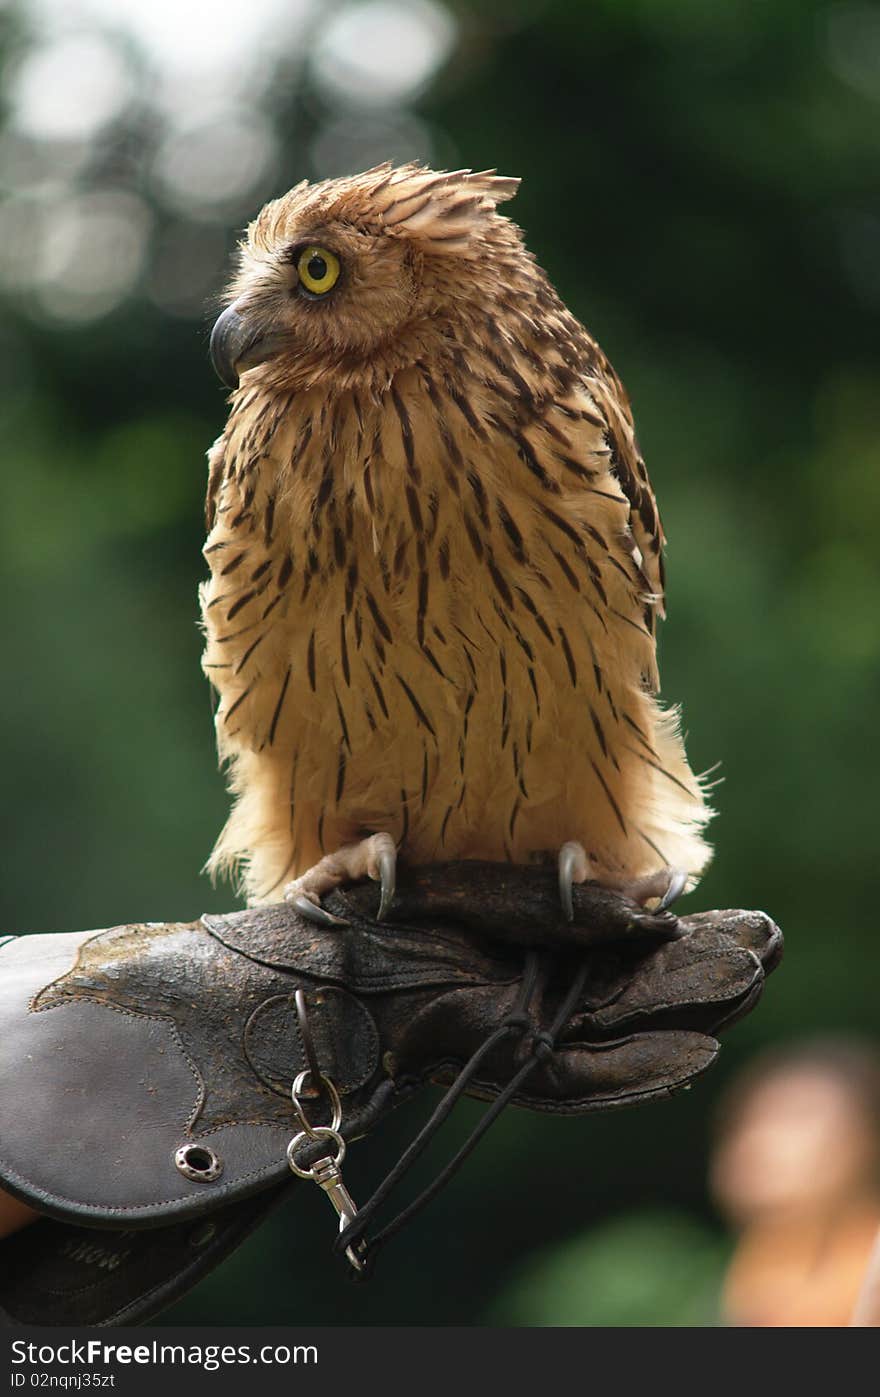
point(382, 51)
point(69, 89)
point(92, 253)
point(219, 165)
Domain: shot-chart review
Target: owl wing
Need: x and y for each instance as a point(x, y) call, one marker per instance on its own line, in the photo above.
point(627, 467)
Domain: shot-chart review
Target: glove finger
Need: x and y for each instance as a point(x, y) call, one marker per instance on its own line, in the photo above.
point(754, 931)
point(620, 1072)
point(697, 981)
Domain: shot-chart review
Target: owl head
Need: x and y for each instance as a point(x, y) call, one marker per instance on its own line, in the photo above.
point(361, 270)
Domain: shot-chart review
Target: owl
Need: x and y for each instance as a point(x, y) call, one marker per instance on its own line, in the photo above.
point(436, 561)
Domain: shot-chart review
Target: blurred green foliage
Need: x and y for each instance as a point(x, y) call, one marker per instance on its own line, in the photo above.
point(700, 180)
point(632, 1270)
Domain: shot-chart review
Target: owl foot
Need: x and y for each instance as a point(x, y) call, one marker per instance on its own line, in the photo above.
point(667, 884)
point(374, 858)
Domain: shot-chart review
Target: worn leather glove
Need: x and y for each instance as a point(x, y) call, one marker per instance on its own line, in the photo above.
point(156, 1061)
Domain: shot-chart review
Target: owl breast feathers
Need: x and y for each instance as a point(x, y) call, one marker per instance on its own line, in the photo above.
point(435, 555)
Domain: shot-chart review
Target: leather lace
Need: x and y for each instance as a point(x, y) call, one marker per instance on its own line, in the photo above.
point(539, 1046)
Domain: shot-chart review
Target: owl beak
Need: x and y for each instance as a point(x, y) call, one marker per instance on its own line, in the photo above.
point(235, 344)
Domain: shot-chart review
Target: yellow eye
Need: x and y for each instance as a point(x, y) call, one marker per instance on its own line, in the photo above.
point(318, 269)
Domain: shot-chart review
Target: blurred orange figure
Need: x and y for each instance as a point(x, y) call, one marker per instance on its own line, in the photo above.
point(797, 1173)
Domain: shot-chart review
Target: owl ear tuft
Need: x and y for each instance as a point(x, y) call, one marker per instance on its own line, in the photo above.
point(441, 211)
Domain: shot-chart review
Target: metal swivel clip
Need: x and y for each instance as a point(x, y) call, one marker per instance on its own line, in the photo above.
point(326, 1171)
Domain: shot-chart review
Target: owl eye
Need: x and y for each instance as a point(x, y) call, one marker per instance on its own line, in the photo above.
point(318, 270)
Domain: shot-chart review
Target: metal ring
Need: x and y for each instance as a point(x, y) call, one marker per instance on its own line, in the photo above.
point(319, 1131)
point(198, 1162)
point(335, 1119)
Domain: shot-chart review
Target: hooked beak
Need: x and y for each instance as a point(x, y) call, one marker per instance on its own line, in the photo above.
point(236, 345)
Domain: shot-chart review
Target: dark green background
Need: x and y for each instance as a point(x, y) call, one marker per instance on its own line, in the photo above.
point(701, 182)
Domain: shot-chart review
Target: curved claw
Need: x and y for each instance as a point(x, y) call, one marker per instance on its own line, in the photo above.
point(387, 862)
point(314, 912)
point(677, 884)
point(572, 862)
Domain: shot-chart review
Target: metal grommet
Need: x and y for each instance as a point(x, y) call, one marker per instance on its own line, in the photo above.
point(198, 1162)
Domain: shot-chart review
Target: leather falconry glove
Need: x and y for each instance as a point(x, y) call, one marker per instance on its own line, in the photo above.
point(147, 1071)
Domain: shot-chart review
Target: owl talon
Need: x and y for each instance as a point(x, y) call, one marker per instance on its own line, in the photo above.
point(314, 912)
point(387, 862)
point(677, 884)
point(574, 867)
point(660, 889)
